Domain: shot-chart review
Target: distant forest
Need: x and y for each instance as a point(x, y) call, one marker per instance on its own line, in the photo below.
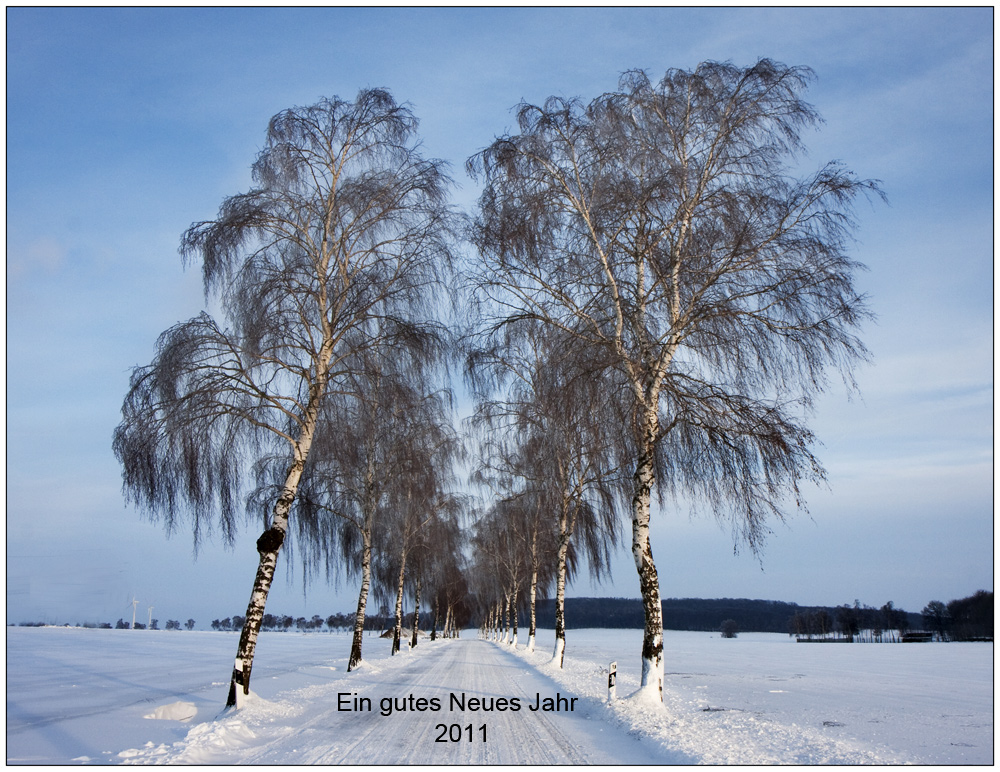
point(964, 619)
point(751, 616)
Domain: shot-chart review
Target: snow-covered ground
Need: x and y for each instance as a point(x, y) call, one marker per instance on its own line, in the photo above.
point(762, 698)
point(112, 696)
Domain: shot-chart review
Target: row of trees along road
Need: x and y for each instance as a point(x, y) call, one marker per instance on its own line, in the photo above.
point(326, 273)
point(657, 236)
point(653, 306)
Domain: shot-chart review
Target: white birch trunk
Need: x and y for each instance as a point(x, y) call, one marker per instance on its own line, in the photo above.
point(416, 615)
point(271, 540)
point(559, 651)
point(560, 648)
point(513, 615)
point(532, 593)
point(367, 527)
point(531, 615)
point(397, 629)
point(506, 618)
point(268, 546)
point(359, 617)
point(651, 682)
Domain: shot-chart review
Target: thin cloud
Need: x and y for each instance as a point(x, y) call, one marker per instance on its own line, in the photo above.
point(44, 255)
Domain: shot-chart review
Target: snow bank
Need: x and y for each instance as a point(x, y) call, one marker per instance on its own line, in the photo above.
point(175, 711)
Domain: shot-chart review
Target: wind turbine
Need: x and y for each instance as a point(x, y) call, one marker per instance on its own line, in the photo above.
point(134, 604)
point(150, 618)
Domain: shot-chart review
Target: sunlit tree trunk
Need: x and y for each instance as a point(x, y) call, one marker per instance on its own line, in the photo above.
point(270, 543)
point(642, 553)
point(268, 546)
point(559, 653)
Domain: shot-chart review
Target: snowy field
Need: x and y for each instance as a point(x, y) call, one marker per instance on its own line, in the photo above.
point(111, 696)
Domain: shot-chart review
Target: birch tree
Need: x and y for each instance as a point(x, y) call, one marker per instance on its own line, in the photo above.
point(532, 526)
point(502, 562)
point(662, 228)
point(437, 542)
point(445, 573)
point(546, 421)
point(347, 225)
point(422, 497)
point(364, 473)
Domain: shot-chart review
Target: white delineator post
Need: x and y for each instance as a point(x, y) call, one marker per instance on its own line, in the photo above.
point(612, 673)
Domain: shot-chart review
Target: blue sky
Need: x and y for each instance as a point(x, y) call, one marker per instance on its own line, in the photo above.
point(124, 126)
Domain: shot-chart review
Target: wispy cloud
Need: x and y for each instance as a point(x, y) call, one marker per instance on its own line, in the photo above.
point(44, 255)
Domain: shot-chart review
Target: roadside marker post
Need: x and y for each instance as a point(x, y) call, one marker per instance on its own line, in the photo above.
point(612, 672)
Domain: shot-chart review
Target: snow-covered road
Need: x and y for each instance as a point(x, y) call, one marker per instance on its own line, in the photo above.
point(443, 705)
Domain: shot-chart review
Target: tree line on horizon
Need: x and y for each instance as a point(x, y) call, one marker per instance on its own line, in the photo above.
point(962, 619)
point(645, 303)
